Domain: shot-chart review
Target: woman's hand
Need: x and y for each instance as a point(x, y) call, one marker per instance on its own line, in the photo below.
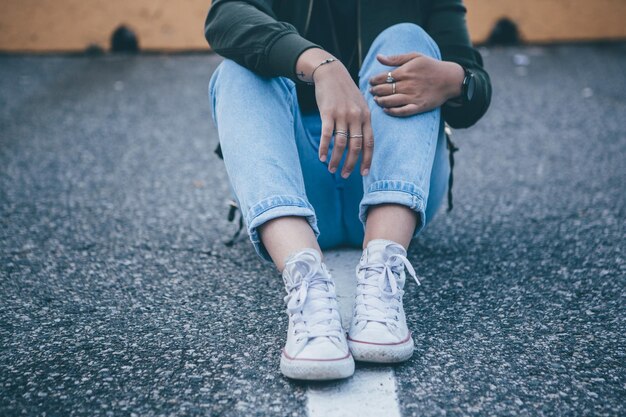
point(422, 84)
point(342, 109)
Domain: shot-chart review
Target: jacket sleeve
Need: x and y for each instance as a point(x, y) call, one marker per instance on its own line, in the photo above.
point(447, 26)
point(249, 33)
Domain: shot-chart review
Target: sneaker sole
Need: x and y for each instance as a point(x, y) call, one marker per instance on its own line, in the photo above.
point(317, 370)
point(382, 353)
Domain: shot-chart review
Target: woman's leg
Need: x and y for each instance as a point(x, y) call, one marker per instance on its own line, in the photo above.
point(409, 171)
point(285, 235)
point(353, 194)
point(395, 205)
point(258, 120)
point(396, 222)
point(262, 139)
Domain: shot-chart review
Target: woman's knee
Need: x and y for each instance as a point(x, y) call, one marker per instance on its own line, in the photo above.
point(413, 36)
point(229, 69)
point(228, 72)
point(233, 87)
point(231, 75)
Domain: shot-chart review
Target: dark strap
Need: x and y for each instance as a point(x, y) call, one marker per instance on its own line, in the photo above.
point(452, 148)
point(232, 210)
point(231, 216)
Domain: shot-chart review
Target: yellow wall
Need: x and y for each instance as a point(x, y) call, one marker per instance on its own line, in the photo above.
point(551, 20)
point(72, 25)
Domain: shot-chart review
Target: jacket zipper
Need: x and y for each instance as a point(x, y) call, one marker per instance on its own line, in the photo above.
point(358, 25)
point(308, 18)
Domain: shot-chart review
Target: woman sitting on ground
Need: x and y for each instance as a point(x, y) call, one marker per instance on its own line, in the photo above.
point(330, 116)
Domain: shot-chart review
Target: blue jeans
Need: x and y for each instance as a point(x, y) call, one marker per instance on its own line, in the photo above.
point(270, 151)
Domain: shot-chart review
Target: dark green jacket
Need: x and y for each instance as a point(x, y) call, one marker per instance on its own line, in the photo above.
point(267, 37)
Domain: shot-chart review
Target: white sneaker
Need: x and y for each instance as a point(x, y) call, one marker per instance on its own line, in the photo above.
point(378, 332)
point(316, 347)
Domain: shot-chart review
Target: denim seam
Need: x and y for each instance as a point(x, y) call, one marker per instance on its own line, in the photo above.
point(290, 97)
point(396, 185)
point(213, 99)
point(432, 149)
point(280, 201)
point(304, 210)
point(418, 201)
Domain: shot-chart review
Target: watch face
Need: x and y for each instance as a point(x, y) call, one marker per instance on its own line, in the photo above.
point(471, 86)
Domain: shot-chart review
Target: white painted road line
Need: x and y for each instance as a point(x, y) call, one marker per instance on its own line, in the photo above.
point(370, 392)
point(342, 266)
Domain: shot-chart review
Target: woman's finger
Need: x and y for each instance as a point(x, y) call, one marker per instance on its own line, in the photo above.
point(396, 60)
point(355, 144)
point(387, 89)
point(339, 145)
point(382, 77)
point(327, 131)
point(403, 111)
point(394, 100)
point(368, 146)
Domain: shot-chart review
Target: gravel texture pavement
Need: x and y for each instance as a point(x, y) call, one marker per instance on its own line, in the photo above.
point(118, 296)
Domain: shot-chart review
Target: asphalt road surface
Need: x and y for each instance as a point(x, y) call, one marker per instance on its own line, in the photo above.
point(119, 297)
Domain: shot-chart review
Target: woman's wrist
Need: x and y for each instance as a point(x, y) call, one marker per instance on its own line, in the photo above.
point(454, 75)
point(312, 61)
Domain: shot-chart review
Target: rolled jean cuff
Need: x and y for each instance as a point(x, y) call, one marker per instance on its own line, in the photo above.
point(274, 207)
point(396, 192)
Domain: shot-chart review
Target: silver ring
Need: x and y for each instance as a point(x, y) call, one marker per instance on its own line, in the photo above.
point(393, 88)
point(341, 132)
point(390, 79)
point(356, 136)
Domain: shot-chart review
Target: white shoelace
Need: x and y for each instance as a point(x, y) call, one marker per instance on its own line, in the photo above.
point(379, 297)
point(313, 303)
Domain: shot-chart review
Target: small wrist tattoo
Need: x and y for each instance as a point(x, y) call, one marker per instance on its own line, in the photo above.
point(324, 62)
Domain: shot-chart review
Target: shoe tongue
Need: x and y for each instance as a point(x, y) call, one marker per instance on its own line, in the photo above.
point(376, 255)
point(301, 267)
point(378, 250)
point(316, 300)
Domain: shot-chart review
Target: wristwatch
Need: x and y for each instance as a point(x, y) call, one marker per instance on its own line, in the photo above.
point(467, 89)
point(469, 86)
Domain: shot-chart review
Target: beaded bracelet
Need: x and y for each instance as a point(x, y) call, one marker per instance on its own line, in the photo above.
point(324, 62)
